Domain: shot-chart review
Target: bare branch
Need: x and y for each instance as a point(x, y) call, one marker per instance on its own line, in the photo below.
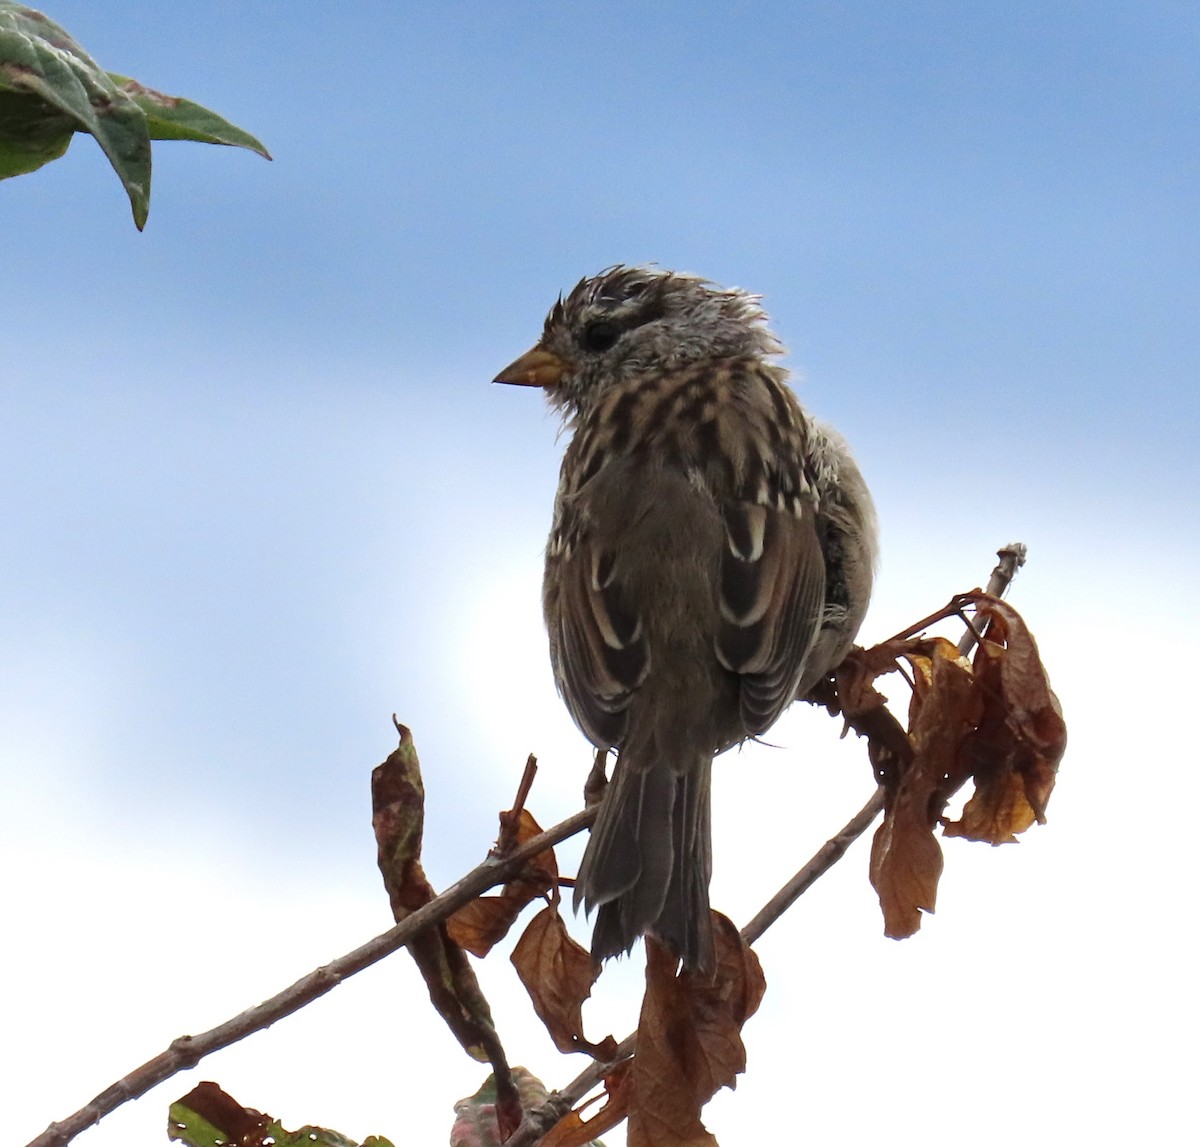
point(187, 1051)
point(511, 820)
point(822, 861)
point(1012, 558)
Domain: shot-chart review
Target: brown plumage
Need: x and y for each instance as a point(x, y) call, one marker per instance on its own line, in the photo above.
point(710, 560)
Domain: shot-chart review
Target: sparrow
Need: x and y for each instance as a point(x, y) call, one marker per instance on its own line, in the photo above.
point(710, 560)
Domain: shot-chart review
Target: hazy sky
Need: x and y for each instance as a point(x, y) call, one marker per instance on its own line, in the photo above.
point(257, 494)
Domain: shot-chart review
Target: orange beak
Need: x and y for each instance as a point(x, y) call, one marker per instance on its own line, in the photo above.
point(535, 367)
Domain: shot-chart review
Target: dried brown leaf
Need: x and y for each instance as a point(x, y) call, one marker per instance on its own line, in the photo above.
point(1021, 737)
point(558, 974)
point(664, 1107)
point(542, 868)
point(490, 1116)
point(739, 979)
point(575, 1131)
point(481, 924)
point(689, 1039)
point(906, 859)
point(906, 864)
point(865, 709)
point(995, 722)
point(398, 815)
point(572, 1130)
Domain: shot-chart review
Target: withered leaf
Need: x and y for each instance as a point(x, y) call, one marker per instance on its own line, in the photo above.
point(558, 974)
point(865, 709)
point(481, 924)
point(856, 677)
point(995, 723)
point(570, 1131)
point(664, 1105)
point(542, 868)
point(486, 1118)
point(906, 865)
point(721, 1005)
point(398, 817)
point(1021, 737)
point(689, 1039)
point(398, 814)
point(575, 1131)
point(906, 859)
point(508, 1114)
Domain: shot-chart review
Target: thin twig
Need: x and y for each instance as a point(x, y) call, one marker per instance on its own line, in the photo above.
point(1012, 558)
point(510, 821)
point(187, 1051)
point(540, 1119)
point(823, 860)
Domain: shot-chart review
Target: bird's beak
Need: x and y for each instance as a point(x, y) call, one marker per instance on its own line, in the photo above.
point(535, 367)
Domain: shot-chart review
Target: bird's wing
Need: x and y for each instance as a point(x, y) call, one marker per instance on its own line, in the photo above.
point(597, 642)
point(772, 597)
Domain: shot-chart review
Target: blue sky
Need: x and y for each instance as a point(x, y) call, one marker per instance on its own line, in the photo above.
point(258, 494)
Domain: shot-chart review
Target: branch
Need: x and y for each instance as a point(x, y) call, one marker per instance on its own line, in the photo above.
point(822, 861)
point(1012, 558)
point(187, 1051)
point(539, 1120)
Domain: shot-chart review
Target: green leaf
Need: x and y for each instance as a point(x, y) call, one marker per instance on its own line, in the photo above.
point(51, 88)
point(308, 1137)
point(39, 59)
point(31, 134)
point(208, 1116)
point(172, 117)
point(185, 1126)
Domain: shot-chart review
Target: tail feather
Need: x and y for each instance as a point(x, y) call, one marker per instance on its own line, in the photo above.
point(684, 924)
point(648, 861)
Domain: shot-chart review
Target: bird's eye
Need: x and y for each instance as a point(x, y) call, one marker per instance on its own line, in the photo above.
point(600, 335)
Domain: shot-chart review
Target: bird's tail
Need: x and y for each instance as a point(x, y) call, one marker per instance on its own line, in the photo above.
point(649, 859)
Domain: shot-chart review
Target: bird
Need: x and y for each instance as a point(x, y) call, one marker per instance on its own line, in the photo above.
point(710, 560)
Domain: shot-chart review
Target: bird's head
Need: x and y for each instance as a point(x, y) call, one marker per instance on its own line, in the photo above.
point(628, 321)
